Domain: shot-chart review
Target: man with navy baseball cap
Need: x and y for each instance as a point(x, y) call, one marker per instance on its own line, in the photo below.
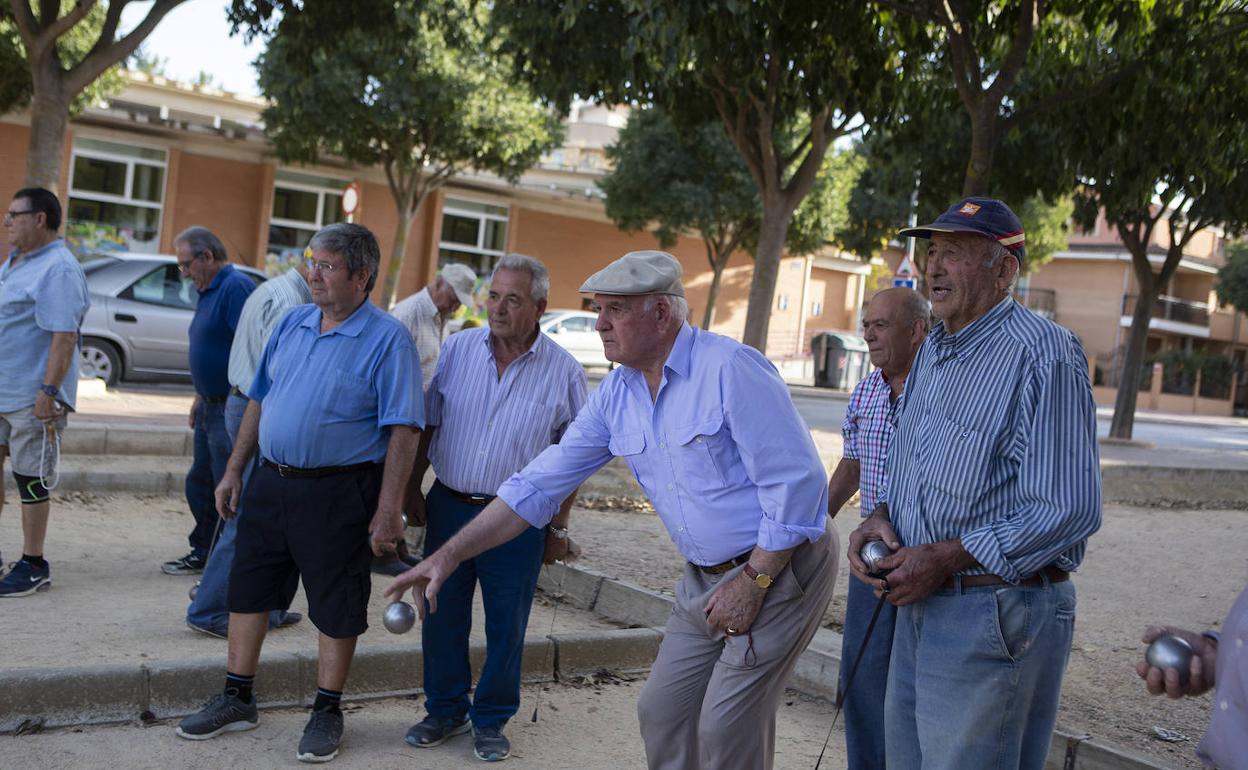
point(994, 488)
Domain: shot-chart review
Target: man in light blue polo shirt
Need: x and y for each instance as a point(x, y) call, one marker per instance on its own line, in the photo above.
point(43, 298)
point(336, 410)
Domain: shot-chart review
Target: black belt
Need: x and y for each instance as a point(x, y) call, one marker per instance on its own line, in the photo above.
point(477, 499)
point(291, 472)
point(236, 392)
point(214, 399)
point(1054, 574)
point(724, 566)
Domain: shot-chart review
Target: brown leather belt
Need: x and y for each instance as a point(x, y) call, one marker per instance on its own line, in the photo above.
point(478, 499)
point(1054, 574)
point(722, 567)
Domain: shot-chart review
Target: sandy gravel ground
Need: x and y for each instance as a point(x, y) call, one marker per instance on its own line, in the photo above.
point(1179, 567)
point(582, 726)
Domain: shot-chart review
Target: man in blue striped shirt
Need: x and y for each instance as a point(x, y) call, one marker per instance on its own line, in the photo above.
point(500, 395)
point(708, 429)
point(994, 488)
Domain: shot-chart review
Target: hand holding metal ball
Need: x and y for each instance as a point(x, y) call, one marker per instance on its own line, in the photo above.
point(871, 554)
point(399, 617)
point(1171, 651)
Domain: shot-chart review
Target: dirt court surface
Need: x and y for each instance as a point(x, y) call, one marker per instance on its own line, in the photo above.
point(1145, 566)
point(585, 725)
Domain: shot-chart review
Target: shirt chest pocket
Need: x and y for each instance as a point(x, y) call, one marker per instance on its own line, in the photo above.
point(701, 450)
point(15, 303)
point(631, 447)
point(350, 397)
point(959, 459)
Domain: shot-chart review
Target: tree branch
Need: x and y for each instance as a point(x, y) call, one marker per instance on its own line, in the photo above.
point(962, 56)
point(104, 56)
point(1028, 16)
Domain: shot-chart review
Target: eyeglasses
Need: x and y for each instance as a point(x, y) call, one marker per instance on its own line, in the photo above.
point(185, 267)
point(9, 216)
point(324, 267)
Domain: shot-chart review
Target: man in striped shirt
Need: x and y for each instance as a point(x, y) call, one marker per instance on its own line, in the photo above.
point(425, 313)
point(894, 325)
point(994, 488)
point(500, 396)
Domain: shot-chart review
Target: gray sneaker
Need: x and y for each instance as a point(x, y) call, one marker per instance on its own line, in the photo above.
point(489, 744)
point(434, 731)
point(223, 714)
point(322, 737)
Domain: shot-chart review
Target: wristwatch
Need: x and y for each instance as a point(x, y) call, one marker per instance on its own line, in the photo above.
point(50, 390)
point(762, 581)
point(559, 533)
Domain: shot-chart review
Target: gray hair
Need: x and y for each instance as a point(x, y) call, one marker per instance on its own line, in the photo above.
point(200, 239)
point(676, 306)
point(994, 253)
point(915, 307)
point(539, 278)
point(355, 244)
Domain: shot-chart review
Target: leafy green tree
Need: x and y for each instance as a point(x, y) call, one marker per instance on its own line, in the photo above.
point(785, 79)
point(679, 181)
point(1169, 153)
point(1233, 277)
point(422, 105)
point(66, 45)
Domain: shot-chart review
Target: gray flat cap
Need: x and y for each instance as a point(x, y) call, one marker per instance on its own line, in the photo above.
point(638, 272)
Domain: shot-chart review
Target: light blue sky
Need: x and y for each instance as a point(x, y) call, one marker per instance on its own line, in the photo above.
point(195, 36)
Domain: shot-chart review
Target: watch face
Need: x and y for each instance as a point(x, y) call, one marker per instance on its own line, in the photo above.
point(763, 581)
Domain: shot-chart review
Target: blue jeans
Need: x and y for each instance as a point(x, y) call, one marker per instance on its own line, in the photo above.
point(975, 677)
point(864, 702)
point(209, 608)
point(508, 576)
point(212, 452)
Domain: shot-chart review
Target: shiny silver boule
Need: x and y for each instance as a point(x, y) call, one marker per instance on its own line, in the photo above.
point(871, 553)
point(1171, 652)
point(399, 617)
point(194, 590)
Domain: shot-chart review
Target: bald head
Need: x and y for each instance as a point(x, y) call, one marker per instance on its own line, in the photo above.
point(894, 325)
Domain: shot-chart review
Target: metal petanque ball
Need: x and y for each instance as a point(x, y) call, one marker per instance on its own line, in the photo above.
point(1171, 652)
point(194, 590)
point(399, 617)
point(871, 553)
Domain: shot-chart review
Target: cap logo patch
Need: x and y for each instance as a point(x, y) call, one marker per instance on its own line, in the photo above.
point(968, 208)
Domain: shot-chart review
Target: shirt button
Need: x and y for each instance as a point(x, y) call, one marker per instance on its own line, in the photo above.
point(1239, 642)
point(699, 439)
point(662, 445)
point(671, 485)
point(1224, 705)
point(681, 529)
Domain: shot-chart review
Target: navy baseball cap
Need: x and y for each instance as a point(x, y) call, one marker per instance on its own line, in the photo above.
point(988, 217)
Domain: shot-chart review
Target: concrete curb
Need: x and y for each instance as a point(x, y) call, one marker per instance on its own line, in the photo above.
point(95, 439)
point(71, 696)
point(817, 670)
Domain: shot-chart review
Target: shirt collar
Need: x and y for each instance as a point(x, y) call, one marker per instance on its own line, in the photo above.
point(488, 338)
point(680, 360)
point(424, 298)
point(44, 249)
point(976, 330)
point(221, 275)
point(352, 327)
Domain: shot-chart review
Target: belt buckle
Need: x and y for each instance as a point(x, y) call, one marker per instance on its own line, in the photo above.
point(478, 499)
point(283, 470)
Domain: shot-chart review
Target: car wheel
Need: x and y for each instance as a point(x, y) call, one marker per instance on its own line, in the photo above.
point(100, 359)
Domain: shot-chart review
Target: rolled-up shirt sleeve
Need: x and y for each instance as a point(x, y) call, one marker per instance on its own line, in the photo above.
point(777, 451)
point(536, 492)
point(1059, 489)
point(849, 426)
point(400, 400)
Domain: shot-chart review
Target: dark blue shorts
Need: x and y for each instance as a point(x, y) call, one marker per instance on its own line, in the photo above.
point(315, 528)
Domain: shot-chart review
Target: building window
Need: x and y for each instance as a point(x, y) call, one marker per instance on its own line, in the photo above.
point(816, 309)
point(115, 197)
point(782, 302)
point(302, 204)
point(472, 233)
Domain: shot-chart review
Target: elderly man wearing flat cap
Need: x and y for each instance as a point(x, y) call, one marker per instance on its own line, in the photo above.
point(707, 427)
point(994, 489)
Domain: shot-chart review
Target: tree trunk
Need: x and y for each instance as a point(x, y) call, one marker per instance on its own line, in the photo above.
point(49, 116)
point(712, 294)
point(983, 146)
point(771, 237)
point(1123, 422)
point(406, 204)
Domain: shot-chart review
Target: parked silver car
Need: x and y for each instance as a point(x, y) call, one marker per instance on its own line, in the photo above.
point(573, 330)
point(141, 309)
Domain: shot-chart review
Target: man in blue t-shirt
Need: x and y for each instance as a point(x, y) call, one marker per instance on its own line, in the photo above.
point(222, 292)
point(43, 297)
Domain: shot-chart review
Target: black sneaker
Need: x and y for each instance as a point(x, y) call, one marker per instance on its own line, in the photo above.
point(433, 731)
point(322, 737)
point(191, 564)
point(216, 632)
point(489, 744)
point(222, 714)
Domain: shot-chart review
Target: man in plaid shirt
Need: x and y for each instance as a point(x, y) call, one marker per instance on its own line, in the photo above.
point(894, 326)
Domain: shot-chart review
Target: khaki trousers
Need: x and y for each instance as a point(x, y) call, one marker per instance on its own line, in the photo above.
point(710, 702)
